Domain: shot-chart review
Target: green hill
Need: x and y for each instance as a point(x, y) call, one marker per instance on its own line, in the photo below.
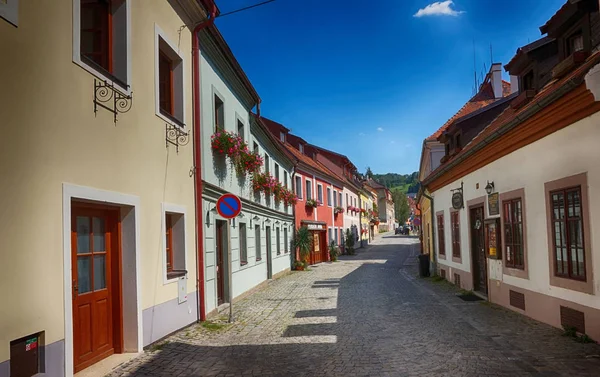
point(404, 182)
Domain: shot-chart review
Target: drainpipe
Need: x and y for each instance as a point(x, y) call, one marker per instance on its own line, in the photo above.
point(434, 261)
point(198, 159)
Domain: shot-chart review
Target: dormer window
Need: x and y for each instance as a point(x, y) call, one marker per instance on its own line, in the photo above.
point(447, 150)
point(528, 81)
point(301, 148)
point(282, 137)
point(575, 43)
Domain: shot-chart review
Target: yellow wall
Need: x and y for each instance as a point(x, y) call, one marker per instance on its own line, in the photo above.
point(426, 229)
point(51, 136)
point(366, 203)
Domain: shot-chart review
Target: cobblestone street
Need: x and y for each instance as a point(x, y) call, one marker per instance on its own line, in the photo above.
point(367, 315)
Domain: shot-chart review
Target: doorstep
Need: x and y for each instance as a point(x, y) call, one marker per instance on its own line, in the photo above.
point(105, 366)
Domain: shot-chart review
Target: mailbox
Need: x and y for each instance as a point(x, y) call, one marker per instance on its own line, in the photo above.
point(25, 355)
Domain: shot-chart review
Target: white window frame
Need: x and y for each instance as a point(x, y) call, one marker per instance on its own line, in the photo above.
point(299, 193)
point(321, 200)
point(77, 47)
point(335, 198)
point(179, 210)
point(213, 125)
point(245, 124)
point(311, 189)
point(159, 33)
point(329, 201)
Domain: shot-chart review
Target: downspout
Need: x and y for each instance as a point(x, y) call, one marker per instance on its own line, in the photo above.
point(198, 159)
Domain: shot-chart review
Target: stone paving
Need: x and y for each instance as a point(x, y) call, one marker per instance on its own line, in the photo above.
point(367, 315)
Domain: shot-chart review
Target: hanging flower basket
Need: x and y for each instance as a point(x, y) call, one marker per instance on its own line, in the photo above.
point(233, 146)
point(263, 182)
point(311, 203)
point(288, 197)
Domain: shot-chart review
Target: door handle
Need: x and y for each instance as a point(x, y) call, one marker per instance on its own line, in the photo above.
point(75, 288)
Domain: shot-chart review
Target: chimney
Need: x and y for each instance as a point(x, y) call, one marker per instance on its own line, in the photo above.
point(496, 71)
point(514, 84)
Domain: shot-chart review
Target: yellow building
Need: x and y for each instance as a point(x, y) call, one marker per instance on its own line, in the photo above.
point(366, 204)
point(98, 237)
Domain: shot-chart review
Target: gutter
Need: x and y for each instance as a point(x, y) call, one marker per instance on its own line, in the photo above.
point(535, 108)
point(197, 170)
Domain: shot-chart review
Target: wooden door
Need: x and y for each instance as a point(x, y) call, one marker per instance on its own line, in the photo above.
point(95, 274)
point(478, 250)
point(220, 258)
point(269, 255)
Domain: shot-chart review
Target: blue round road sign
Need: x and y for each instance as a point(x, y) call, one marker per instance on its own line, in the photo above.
point(229, 206)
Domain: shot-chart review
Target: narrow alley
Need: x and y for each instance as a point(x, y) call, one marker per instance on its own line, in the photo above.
point(367, 315)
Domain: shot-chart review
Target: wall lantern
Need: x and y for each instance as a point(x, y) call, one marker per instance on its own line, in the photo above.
point(489, 188)
point(214, 209)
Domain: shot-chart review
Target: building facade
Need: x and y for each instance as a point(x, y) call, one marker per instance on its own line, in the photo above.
point(93, 169)
point(260, 237)
point(519, 231)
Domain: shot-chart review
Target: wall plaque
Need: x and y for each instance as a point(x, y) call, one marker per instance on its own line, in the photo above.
point(457, 200)
point(493, 204)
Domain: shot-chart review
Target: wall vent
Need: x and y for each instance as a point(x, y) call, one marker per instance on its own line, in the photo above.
point(517, 299)
point(572, 318)
point(457, 280)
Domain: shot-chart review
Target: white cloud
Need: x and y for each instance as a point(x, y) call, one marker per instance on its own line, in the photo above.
point(439, 8)
point(379, 129)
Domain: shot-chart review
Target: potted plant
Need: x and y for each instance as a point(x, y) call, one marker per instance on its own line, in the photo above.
point(349, 242)
point(303, 242)
point(337, 210)
point(298, 265)
point(334, 251)
point(311, 203)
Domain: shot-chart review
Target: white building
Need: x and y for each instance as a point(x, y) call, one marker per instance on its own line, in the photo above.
point(516, 207)
point(260, 238)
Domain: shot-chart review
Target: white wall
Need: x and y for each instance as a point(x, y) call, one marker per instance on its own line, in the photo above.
point(570, 151)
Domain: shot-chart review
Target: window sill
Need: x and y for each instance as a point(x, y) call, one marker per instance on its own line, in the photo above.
point(258, 259)
point(102, 74)
point(243, 264)
point(170, 119)
point(175, 275)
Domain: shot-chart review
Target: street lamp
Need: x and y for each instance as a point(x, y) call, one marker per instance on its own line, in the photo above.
point(489, 188)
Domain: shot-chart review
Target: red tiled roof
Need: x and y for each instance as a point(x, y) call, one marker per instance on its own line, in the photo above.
point(562, 10)
point(484, 97)
point(272, 125)
point(306, 160)
point(510, 114)
point(528, 48)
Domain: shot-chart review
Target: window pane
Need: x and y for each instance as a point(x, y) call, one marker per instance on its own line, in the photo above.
point(83, 274)
point(99, 234)
point(518, 234)
point(83, 234)
point(565, 260)
point(99, 272)
point(581, 261)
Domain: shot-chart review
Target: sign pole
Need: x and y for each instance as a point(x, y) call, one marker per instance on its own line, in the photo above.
point(230, 274)
point(229, 206)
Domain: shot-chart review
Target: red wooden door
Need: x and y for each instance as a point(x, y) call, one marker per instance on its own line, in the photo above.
point(93, 232)
point(220, 253)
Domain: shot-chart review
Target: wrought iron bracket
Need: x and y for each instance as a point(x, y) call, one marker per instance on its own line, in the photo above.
point(109, 98)
point(175, 136)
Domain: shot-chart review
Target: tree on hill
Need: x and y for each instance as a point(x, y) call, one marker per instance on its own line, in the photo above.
point(369, 173)
point(400, 205)
point(405, 182)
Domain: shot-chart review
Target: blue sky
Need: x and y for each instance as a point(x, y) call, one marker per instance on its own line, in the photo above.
point(368, 79)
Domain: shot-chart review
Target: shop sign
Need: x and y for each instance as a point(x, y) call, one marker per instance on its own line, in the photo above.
point(493, 204)
point(457, 200)
point(315, 226)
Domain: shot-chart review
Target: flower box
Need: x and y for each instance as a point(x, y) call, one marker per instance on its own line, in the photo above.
point(338, 210)
point(311, 203)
